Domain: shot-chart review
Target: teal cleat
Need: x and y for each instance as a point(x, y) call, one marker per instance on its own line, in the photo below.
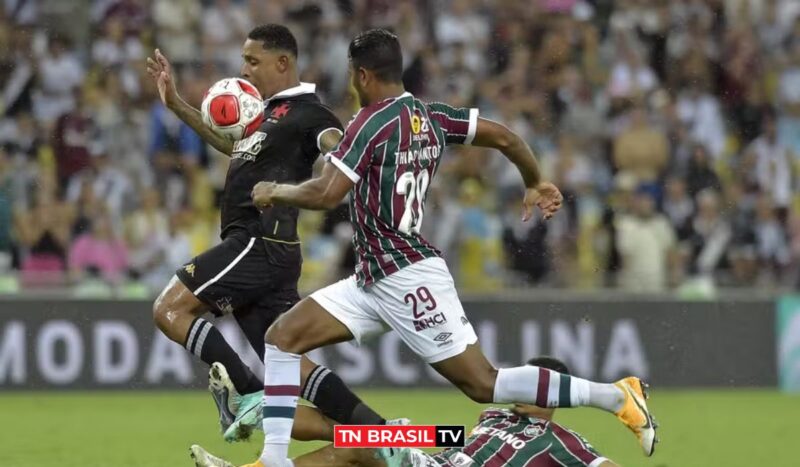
point(392, 456)
point(248, 417)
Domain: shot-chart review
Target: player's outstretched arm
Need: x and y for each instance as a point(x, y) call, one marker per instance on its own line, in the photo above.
point(324, 192)
point(159, 68)
point(545, 195)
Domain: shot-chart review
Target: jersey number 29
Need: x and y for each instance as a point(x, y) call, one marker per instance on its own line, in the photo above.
point(413, 188)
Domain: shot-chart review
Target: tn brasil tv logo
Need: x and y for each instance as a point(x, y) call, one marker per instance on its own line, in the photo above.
point(398, 436)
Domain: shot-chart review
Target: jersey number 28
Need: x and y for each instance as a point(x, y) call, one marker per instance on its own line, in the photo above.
point(413, 188)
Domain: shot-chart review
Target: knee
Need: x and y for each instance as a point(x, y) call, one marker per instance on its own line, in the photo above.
point(165, 311)
point(160, 314)
point(285, 337)
point(480, 388)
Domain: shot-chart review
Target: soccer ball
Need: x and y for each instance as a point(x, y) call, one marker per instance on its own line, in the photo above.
point(233, 108)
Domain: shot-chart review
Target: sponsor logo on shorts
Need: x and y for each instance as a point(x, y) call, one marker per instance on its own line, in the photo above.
point(429, 322)
point(224, 305)
point(443, 338)
point(189, 268)
point(464, 320)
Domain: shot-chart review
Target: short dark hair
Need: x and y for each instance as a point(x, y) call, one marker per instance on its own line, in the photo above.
point(378, 51)
point(275, 37)
point(550, 363)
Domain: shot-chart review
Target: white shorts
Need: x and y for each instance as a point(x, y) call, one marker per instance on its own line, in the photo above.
point(419, 302)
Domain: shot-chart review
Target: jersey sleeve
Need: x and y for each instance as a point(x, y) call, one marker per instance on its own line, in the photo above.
point(571, 449)
point(321, 121)
point(352, 155)
point(458, 124)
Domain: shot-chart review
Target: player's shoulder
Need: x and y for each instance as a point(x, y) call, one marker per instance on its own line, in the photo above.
point(378, 111)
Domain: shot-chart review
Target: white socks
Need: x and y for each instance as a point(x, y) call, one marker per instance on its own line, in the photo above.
point(281, 390)
point(547, 388)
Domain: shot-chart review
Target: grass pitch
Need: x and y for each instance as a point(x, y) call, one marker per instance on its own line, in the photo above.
point(114, 429)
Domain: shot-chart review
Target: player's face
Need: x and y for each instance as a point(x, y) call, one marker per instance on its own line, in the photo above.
point(262, 67)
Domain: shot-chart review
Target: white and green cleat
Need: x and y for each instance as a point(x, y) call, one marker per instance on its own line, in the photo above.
point(224, 393)
point(203, 458)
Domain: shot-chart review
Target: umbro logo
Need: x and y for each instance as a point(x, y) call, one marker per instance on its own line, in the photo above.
point(443, 336)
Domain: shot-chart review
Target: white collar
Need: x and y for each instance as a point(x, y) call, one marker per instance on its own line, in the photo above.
point(302, 88)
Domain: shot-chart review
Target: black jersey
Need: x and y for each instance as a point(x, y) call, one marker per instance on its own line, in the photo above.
point(283, 150)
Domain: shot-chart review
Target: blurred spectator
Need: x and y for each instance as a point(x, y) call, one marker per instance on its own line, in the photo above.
point(100, 249)
point(114, 48)
point(710, 236)
point(630, 74)
point(107, 182)
point(18, 74)
point(43, 232)
point(700, 175)
point(133, 14)
point(461, 31)
point(700, 110)
point(678, 206)
point(60, 73)
point(73, 134)
point(225, 23)
point(176, 22)
point(641, 150)
point(644, 240)
point(147, 230)
point(773, 166)
point(772, 248)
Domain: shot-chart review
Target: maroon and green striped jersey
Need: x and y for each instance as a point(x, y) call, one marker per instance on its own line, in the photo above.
point(391, 151)
point(503, 438)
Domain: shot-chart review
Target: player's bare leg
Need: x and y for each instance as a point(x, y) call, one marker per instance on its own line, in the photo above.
point(177, 313)
point(471, 372)
point(307, 326)
point(175, 309)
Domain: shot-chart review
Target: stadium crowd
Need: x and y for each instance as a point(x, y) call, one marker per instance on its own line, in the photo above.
point(672, 127)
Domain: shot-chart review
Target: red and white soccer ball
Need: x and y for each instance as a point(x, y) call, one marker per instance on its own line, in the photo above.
point(233, 108)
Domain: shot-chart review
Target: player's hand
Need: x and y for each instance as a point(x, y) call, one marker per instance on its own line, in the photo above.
point(545, 196)
point(262, 194)
point(159, 68)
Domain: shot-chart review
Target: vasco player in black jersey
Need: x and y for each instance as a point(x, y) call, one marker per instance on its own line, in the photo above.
point(253, 273)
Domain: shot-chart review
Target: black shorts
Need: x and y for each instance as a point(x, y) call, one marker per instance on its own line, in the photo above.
point(245, 274)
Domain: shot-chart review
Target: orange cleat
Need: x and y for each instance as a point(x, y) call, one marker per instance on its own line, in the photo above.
point(634, 413)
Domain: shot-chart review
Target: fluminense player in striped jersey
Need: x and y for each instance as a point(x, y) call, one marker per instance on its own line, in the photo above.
point(386, 159)
point(524, 436)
